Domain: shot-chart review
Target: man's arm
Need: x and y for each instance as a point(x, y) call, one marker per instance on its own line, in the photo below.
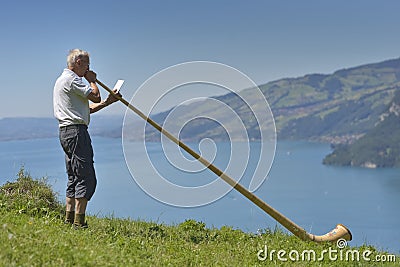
point(94, 96)
point(98, 106)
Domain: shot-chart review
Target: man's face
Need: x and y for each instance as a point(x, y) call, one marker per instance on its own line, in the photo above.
point(81, 66)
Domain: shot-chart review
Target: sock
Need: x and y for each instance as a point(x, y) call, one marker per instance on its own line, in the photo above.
point(79, 219)
point(69, 216)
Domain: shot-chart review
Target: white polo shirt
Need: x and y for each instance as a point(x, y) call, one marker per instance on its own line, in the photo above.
point(70, 102)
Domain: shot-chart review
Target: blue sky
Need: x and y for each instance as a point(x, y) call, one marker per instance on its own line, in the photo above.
point(266, 40)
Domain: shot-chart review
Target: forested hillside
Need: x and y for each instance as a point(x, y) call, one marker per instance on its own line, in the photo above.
point(336, 108)
point(379, 147)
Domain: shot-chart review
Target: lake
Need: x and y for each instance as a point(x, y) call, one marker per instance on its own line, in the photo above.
point(315, 196)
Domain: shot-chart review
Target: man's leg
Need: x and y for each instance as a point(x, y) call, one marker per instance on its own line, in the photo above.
point(80, 206)
point(68, 143)
point(70, 210)
point(80, 210)
point(82, 163)
point(70, 204)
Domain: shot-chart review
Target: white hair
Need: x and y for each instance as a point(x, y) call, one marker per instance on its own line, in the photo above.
point(74, 55)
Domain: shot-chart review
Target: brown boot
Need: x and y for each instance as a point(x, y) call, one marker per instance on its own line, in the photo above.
point(79, 222)
point(69, 217)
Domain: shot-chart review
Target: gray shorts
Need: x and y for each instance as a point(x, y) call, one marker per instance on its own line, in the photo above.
point(77, 145)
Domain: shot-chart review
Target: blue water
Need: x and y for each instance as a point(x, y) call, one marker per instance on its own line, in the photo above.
point(315, 196)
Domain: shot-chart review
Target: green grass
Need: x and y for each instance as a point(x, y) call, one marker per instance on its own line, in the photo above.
point(33, 234)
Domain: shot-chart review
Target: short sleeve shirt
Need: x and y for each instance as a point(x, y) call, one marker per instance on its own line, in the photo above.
point(70, 102)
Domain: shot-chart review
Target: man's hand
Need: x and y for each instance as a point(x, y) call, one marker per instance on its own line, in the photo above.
point(90, 76)
point(98, 106)
point(111, 99)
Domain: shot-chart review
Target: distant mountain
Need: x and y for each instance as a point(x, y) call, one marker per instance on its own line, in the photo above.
point(27, 128)
point(106, 125)
point(338, 108)
point(33, 128)
point(379, 147)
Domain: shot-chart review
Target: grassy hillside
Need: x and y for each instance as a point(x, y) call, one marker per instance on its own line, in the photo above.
point(33, 234)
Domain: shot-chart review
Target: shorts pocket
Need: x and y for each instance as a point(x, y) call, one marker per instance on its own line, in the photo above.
point(81, 167)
